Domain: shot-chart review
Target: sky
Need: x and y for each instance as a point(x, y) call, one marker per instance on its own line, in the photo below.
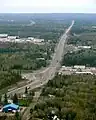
point(47, 6)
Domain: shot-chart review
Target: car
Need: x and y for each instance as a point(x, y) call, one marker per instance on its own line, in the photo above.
point(28, 87)
point(0, 110)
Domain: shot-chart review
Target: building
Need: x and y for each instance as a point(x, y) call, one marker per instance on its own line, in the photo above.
point(64, 68)
point(38, 40)
point(30, 38)
point(10, 107)
point(10, 101)
point(3, 35)
point(79, 67)
point(40, 58)
point(12, 37)
point(84, 47)
point(84, 73)
point(19, 40)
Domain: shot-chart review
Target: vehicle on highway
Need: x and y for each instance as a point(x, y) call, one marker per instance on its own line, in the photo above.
point(28, 87)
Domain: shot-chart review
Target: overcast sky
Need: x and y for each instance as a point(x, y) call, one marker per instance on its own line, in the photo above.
point(49, 6)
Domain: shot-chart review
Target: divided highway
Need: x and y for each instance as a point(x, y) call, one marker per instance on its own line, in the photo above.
point(49, 73)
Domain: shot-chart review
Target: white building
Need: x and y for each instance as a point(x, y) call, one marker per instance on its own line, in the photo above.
point(20, 40)
point(79, 67)
point(67, 67)
point(84, 47)
point(30, 38)
point(84, 73)
point(3, 35)
point(10, 101)
point(38, 40)
point(40, 58)
point(12, 37)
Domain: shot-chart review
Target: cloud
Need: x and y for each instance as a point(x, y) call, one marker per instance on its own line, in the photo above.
point(47, 6)
point(22, 3)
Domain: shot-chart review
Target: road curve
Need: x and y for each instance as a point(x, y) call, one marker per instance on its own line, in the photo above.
point(52, 69)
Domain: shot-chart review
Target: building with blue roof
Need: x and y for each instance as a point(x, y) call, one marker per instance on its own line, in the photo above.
point(10, 107)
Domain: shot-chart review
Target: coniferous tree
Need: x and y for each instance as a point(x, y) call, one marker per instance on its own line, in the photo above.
point(5, 99)
point(17, 116)
point(15, 99)
point(26, 90)
point(31, 111)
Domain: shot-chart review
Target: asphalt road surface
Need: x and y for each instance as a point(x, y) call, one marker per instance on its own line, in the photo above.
point(49, 72)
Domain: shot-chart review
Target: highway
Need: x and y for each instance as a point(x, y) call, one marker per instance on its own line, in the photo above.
point(50, 71)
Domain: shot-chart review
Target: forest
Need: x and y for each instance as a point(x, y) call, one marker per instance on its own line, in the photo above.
point(70, 97)
point(8, 78)
point(21, 56)
point(82, 57)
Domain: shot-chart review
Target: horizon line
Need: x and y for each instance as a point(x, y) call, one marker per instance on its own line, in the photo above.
point(47, 13)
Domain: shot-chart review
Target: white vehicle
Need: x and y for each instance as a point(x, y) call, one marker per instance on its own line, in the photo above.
point(28, 87)
point(0, 110)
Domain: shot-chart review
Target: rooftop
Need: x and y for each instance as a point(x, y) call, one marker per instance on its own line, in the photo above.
point(11, 105)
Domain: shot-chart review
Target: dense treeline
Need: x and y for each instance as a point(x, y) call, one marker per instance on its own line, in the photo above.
point(82, 57)
point(84, 39)
point(24, 56)
point(8, 78)
point(84, 25)
point(71, 97)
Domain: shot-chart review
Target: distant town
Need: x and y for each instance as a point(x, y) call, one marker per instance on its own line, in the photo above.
point(17, 39)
